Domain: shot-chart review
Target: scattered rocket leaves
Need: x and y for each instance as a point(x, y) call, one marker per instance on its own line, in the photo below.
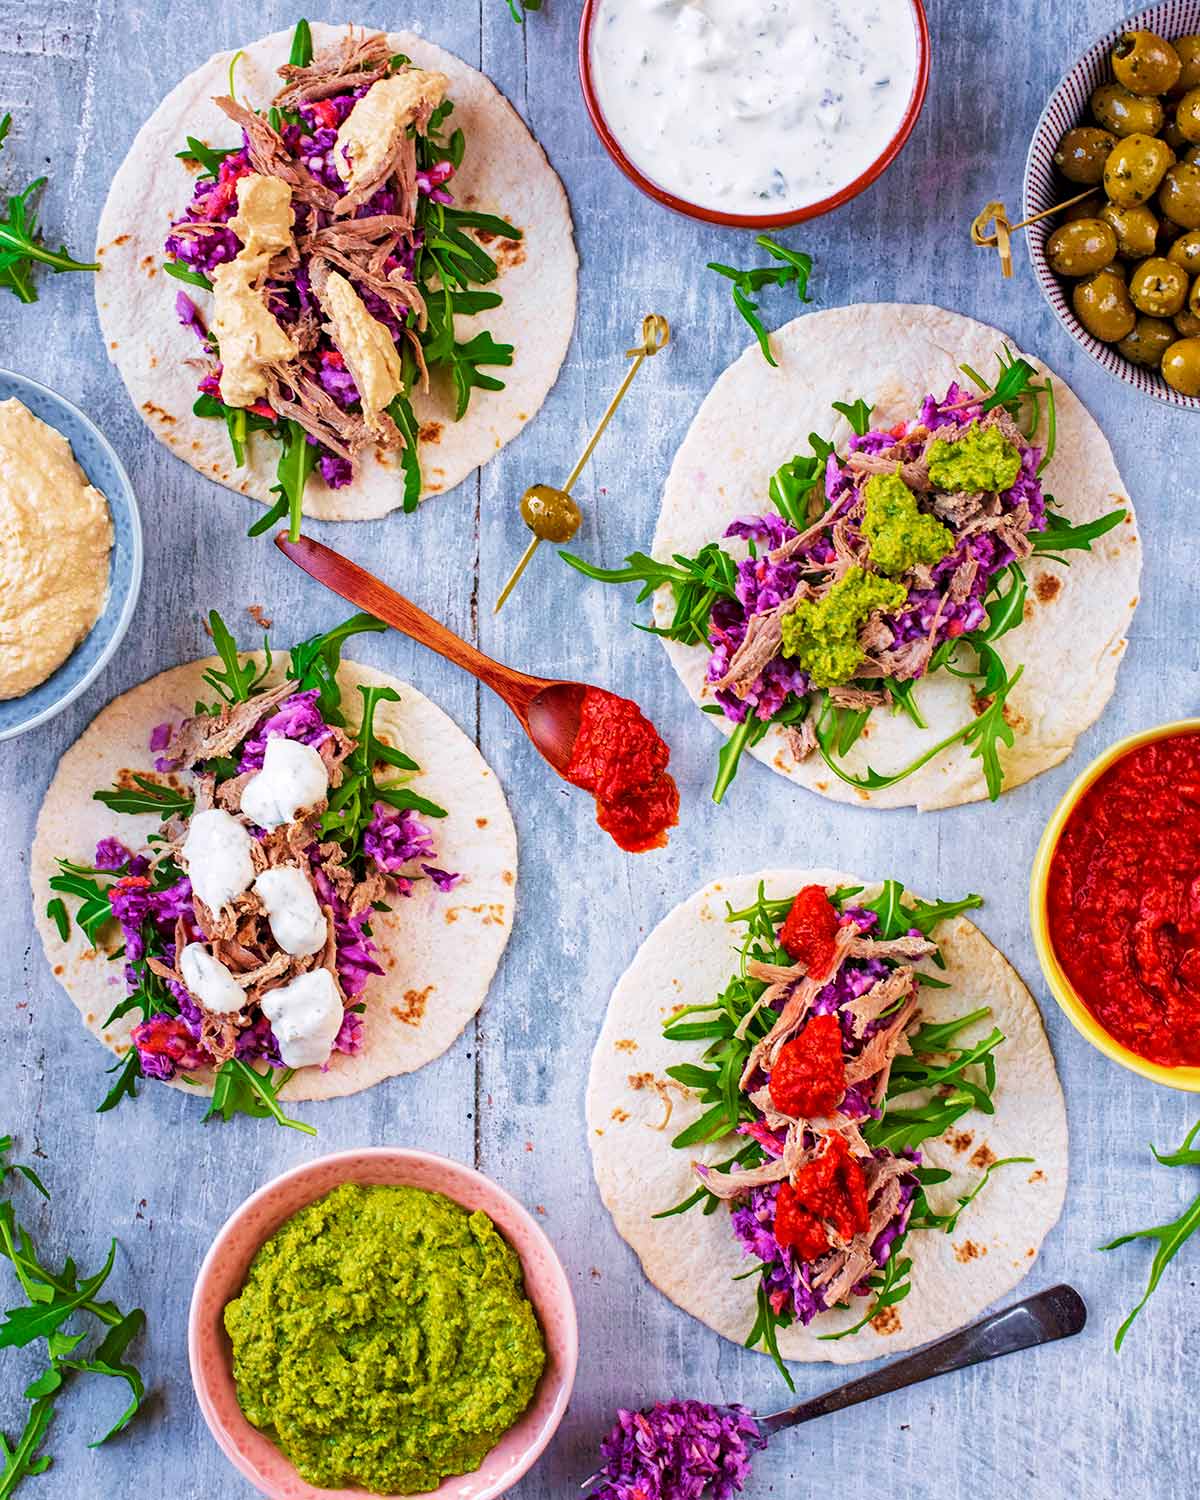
point(54, 1298)
point(21, 242)
point(1170, 1237)
point(795, 270)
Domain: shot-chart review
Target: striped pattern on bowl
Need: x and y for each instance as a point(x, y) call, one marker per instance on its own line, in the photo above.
point(1044, 187)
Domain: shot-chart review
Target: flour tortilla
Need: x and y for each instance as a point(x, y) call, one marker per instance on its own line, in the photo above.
point(439, 951)
point(756, 418)
point(505, 172)
point(687, 960)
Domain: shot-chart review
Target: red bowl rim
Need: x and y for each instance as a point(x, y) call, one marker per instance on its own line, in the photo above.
point(753, 221)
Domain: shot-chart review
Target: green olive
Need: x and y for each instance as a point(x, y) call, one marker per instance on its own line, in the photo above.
point(1102, 305)
point(1193, 301)
point(1145, 345)
point(1192, 154)
point(1174, 137)
point(1158, 287)
point(1187, 116)
point(1187, 323)
point(1117, 110)
point(550, 514)
point(1181, 366)
point(1086, 208)
point(1082, 248)
point(1179, 195)
point(1134, 169)
point(1187, 49)
point(1145, 63)
point(1185, 251)
point(1136, 228)
point(1082, 153)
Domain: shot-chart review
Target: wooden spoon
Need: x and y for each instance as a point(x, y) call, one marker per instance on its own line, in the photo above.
point(547, 711)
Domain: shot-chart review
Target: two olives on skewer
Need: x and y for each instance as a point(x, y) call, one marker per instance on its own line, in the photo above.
point(1133, 246)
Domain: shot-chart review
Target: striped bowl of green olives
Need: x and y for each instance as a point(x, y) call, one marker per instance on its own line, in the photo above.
point(1121, 266)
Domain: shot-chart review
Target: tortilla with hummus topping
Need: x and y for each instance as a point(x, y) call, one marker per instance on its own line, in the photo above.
point(381, 241)
point(55, 537)
point(316, 872)
point(854, 1082)
point(865, 556)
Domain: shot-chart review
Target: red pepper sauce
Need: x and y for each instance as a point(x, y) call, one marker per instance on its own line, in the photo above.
point(1123, 900)
point(832, 1187)
point(621, 758)
point(809, 1076)
point(809, 930)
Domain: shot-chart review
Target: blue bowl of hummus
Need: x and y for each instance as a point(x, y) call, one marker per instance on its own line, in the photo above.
point(70, 553)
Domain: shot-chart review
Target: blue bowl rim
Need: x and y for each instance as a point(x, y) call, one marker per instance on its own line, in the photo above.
point(137, 550)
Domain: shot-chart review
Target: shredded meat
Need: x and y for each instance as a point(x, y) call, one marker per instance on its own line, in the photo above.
point(876, 634)
point(795, 1008)
point(342, 432)
point(734, 1184)
point(884, 1208)
point(852, 1265)
point(764, 636)
point(357, 60)
point(801, 739)
point(882, 995)
point(961, 580)
point(843, 695)
point(877, 1057)
point(208, 735)
point(957, 509)
point(269, 155)
point(906, 947)
point(913, 472)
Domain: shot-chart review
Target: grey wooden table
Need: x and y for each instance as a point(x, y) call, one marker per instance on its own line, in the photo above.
point(80, 76)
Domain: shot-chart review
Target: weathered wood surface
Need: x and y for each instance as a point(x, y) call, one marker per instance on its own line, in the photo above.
point(80, 75)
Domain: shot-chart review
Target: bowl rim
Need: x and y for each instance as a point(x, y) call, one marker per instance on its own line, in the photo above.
point(754, 221)
point(1154, 387)
point(349, 1161)
point(136, 560)
point(1184, 1079)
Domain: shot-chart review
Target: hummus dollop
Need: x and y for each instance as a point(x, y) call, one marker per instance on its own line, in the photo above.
point(55, 537)
point(248, 335)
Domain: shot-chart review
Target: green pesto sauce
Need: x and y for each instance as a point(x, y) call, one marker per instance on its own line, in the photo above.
point(383, 1338)
point(823, 633)
point(983, 461)
point(901, 535)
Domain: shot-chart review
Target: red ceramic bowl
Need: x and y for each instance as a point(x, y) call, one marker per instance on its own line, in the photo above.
point(753, 221)
point(1044, 187)
point(224, 1271)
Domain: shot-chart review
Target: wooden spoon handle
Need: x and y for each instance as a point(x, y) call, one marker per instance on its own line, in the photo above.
point(372, 594)
point(1054, 1314)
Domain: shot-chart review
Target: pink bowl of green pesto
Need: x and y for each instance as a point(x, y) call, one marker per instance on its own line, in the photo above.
point(383, 1321)
point(753, 113)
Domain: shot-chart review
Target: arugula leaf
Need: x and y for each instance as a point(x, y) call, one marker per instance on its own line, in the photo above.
point(1061, 536)
point(401, 412)
point(765, 1326)
point(794, 271)
point(109, 1360)
point(892, 1287)
point(1170, 1237)
point(193, 278)
point(209, 159)
point(23, 1459)
point(948, 1222)
point(800, 483)
point(858, 415)
point(302, 45)
point(519, 9)
point(1016, 388)
point(94, 912)
point(315, 663)
point(466, 362)
point(297, 459)
point(128, 1071)
point(240, 1089)
point(236, 684)
point(21, 243)
point(697, 584)
point(57, 912)
point(150, 797)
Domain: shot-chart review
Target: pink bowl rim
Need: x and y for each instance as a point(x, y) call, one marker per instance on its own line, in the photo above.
point(1039, 161)
point(351, 1159)
point(754, 221)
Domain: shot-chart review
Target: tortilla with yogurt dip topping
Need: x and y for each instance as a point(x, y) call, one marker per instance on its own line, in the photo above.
point(56, 534)
point(298, 889)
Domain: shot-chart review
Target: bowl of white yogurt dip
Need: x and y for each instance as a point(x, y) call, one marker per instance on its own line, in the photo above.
point(755, 114)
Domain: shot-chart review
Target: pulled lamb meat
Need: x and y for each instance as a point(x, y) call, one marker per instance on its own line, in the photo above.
point(357, 60)
point(205, 736)
point(269, 156)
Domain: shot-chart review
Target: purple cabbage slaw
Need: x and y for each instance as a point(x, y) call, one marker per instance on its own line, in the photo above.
point(763, 584)
point(676, 1450)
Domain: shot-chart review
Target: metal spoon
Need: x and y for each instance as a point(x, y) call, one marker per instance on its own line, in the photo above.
point(548, 711)
point(1043, 1318)
point(1058, 1313)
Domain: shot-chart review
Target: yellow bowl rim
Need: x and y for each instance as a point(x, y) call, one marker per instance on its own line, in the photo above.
point(1084, 1022)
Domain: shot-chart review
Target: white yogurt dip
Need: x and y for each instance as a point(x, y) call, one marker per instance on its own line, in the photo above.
point(754, 107)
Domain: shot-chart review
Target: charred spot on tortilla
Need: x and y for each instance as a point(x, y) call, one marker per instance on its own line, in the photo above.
point(969, 1251)
point(1047, 586)
point(959, 1141)
point(983, 1157)
point(886, 1322)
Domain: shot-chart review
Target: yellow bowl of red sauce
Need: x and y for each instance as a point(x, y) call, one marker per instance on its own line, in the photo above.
point(1114, 903)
